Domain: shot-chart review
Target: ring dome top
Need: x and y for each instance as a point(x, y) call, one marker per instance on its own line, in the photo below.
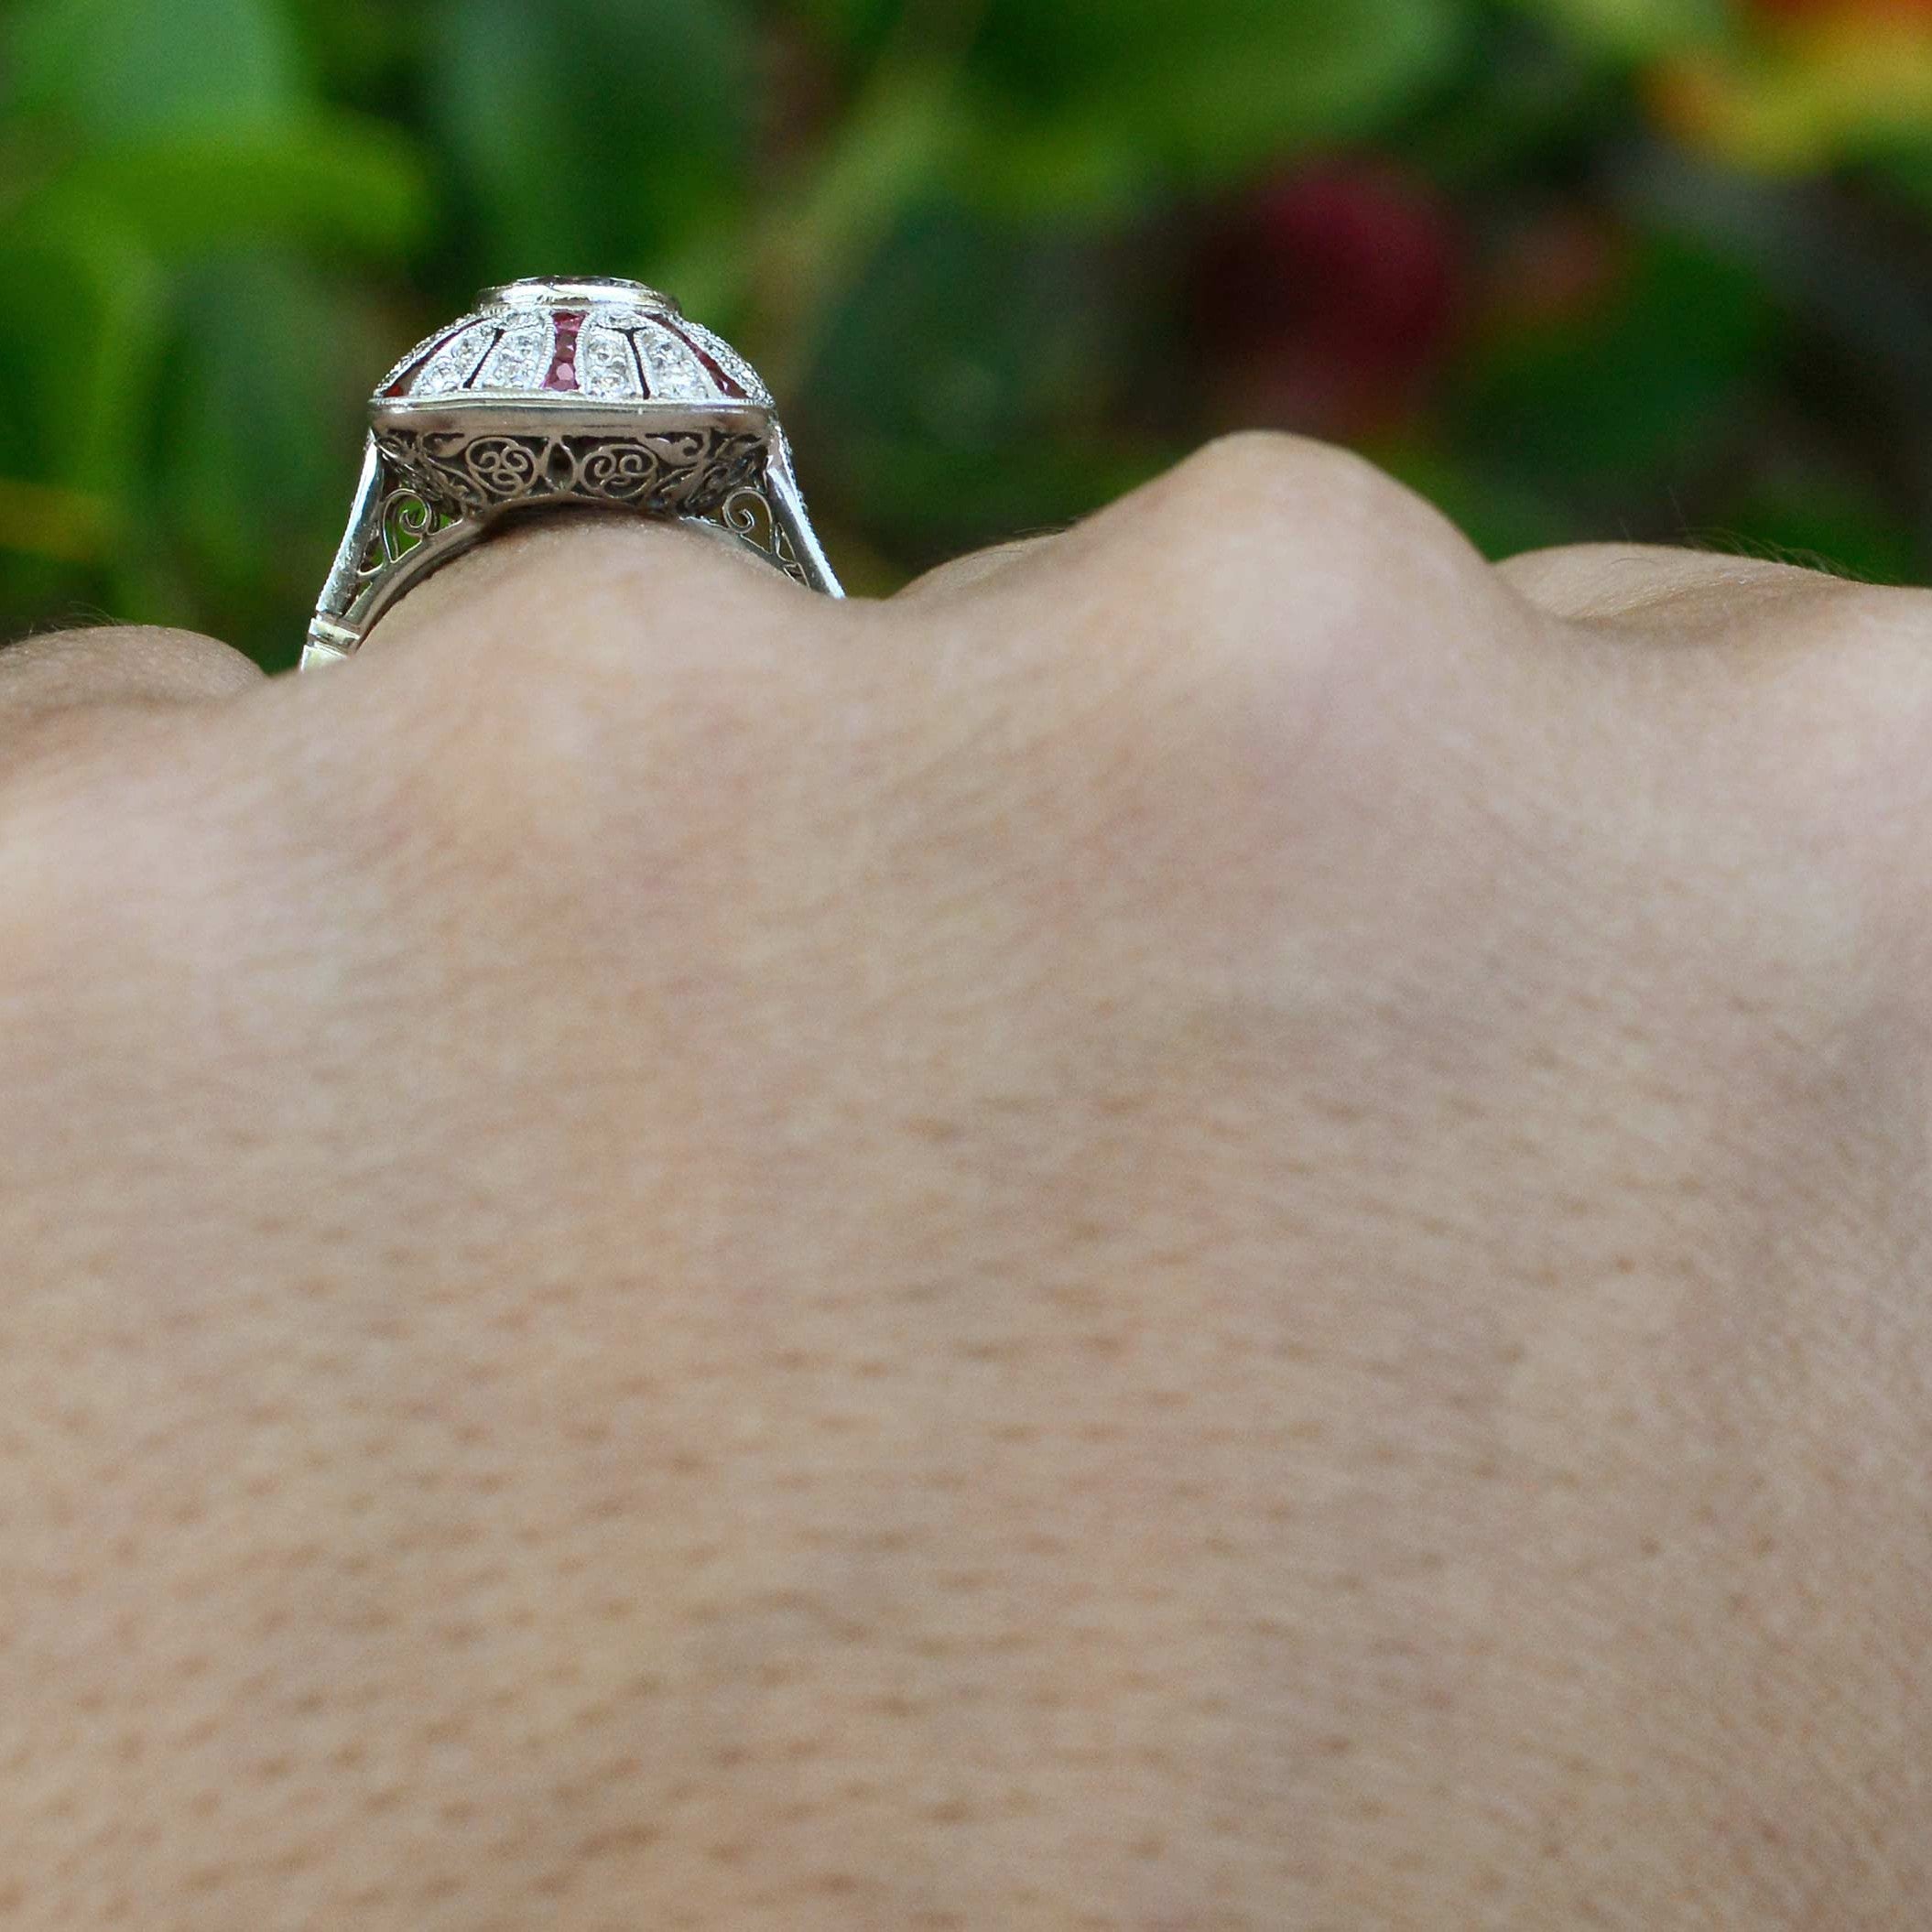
point(553, 340)
point(551, 291)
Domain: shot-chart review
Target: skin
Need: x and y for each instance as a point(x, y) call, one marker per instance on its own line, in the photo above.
point(1223, 1223)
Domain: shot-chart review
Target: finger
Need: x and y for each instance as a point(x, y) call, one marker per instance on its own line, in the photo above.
point(1266, 582)
point(600, 575)
point(1680, 589)
point(118, 664)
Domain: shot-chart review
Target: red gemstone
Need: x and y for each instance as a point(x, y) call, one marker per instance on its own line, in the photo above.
point(563, 358)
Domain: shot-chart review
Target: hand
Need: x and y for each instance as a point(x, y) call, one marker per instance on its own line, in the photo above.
point(1222, 1223)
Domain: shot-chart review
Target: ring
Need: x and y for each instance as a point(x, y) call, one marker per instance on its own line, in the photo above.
point(594, 392)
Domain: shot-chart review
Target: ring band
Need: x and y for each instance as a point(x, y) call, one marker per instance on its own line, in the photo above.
point(593, 392)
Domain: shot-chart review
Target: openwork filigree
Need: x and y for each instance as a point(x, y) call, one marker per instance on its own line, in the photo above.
point(671, 471)
point(747, 513)
point(403, 520)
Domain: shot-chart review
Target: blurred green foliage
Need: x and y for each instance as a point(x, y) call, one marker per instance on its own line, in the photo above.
point(1653, 269)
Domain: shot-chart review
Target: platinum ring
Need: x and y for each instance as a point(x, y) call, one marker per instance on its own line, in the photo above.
point(593, 392)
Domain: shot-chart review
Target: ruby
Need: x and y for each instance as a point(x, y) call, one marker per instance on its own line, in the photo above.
point(563, 360)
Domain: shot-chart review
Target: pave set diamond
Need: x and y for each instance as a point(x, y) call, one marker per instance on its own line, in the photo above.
point(603, 347)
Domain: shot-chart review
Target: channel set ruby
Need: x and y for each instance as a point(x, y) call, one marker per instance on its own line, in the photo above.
point(563, 362)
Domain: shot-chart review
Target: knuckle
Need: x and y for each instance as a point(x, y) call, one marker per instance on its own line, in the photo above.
point(1269, 465)
point(1293, 668)
point(1281, 503)
point(1277, 569)
point(111, 664)
point(1269, 556)
point(1224, 689)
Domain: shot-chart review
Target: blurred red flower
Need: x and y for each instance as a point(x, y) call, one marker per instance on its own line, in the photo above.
point(1325, 301)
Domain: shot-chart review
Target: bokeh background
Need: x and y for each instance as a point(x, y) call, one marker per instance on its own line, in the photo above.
point(1657, 269)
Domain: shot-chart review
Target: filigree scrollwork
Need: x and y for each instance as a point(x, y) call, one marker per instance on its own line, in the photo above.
point(747, 513)
point(461, 472)
point(668, 472)
point(672, 472)
point(404, 519)
point(656, 476)
point(506, 468)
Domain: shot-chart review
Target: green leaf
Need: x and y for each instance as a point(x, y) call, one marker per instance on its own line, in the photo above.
point(362, 48)
point(93, 274)
point(1821, 522)
point(892, 149)
point(971, 387)
point(252, 474)
point(1908, 175)
point(968, 334)
point(1631, 394)
point(332, 180)
point(1040, 167)
point(1213, 91)
point(1635, 30)
point(1499, 518)
point(855, 25)
point(589, 134)
point(933, 504)
point(118, 68)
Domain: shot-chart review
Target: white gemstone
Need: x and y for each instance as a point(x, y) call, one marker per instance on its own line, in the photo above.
point(444, 372)
point(522, 359)
point(621, 315)
point(672, 368)
point(605, 368)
